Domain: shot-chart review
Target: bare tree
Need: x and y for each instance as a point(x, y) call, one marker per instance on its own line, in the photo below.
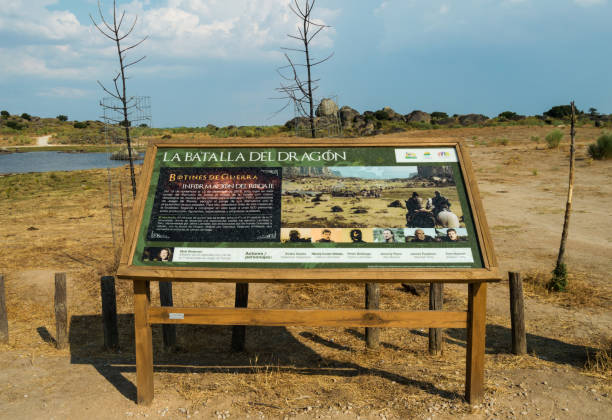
point(559, 278)
point(296, 89)
point(114, 32)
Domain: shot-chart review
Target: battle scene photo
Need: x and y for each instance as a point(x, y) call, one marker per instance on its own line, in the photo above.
point(370, 196)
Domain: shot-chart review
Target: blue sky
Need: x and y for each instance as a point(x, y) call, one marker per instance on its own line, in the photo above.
point(214, 61)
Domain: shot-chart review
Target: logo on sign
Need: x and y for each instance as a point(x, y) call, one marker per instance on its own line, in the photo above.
point(444, 154)
point(427, 155)
point(410, 155)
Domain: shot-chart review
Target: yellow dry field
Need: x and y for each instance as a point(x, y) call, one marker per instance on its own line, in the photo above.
point(60, 222)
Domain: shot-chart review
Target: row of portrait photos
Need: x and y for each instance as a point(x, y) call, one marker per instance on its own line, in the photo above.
point(373, 235)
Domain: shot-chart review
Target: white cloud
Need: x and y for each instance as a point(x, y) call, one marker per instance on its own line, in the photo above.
point(47, 43)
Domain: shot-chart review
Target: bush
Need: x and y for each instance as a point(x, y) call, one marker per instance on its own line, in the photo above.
point(5, 113)
point(381, 115)
point(561, 112)
point(602, 149)
point(26, 116)
point(558, 282)
point(79, 124)
point(62, 117)
point(509, 115)
point(14, 125)
point(437, 115)
point(553, 139)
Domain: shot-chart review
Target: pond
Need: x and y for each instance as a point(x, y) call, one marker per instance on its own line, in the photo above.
point(20, 163)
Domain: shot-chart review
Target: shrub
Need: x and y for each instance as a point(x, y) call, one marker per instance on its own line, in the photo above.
point(143, 125)
point(26, 116)
point(561, 112)
point(62, 117)
point(79, 124)
point(602, 149)
point(553, 139)
point(381, 115)
point(5, 113)
point(558, 282)
point(437, 115)
point(509, 115)
point(14, 125)
point(535, 138)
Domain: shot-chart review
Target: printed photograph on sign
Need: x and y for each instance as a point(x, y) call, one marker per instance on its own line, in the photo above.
point(370, 196)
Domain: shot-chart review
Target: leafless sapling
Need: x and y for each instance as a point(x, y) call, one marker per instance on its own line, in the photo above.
point(294, 87)
point(559, 278)
point(113, 31)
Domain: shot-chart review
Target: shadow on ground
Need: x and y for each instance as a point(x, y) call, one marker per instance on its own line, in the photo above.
point(206, 349)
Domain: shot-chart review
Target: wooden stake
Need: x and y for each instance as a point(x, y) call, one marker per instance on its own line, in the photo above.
point(372, 301)
point(435, 304)
point(122, 216)
point(165, 299)
point(109, 312)
point(61, 311)
point(477, 312)
point(143, 343)
point(4, 332)
point(239, 331)
point(517, 313)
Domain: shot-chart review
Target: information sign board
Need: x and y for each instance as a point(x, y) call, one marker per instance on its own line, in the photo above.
point(316, 207)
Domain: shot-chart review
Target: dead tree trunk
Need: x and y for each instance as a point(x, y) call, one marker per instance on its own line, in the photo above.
point(113, 32)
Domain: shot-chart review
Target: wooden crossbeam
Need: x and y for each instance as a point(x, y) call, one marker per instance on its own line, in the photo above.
point(307, 317)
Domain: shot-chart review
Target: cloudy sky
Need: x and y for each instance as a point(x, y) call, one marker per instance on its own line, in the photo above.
point(214, 61)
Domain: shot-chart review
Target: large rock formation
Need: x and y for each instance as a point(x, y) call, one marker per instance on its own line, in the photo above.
point(418, 116)
point(471, 119)
point(347, 115)
point(327, 108)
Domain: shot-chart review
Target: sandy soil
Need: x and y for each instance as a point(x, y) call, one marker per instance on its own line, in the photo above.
point(320, 372)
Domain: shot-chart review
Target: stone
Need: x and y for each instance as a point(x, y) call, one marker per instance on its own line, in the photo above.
point(336, 209)
point(347, 116)
point(327, 107)
point(418, 116)
point(445, 121)
point(471, 119)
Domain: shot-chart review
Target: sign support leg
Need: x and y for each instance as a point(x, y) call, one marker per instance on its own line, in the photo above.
point(144, 343)
point(474, 375)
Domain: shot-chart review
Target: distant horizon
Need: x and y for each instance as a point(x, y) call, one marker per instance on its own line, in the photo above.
point(376, 172)
point(215, 62)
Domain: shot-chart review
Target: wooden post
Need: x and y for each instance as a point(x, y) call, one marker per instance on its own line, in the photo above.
point(475, 352)
point(239, 331)
point(4, 333)
point(168, 330)
point(517, 314)
point(109, 312)
point(372, 301)
point(143, 342)
point(61, 311)
point(435, 304)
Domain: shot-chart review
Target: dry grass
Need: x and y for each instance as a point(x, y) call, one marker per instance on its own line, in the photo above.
point(601, 361)
point(580, 292)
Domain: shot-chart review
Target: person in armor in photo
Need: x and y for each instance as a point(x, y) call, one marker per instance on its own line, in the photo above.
point(439, 202)
point(414, 203)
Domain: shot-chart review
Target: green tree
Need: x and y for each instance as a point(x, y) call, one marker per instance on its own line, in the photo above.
point(62, 117)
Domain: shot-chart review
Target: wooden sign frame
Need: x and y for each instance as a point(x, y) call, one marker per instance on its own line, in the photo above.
point(476, 278)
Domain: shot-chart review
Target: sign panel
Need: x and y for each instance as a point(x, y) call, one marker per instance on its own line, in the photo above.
point(307, 207)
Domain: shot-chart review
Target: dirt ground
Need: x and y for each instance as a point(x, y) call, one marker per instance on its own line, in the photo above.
point(59, 222)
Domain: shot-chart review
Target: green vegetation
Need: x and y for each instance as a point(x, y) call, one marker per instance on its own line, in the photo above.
point(561, 112)
point(5, 113)
point(553, 139)
point(79, 125)
point(26, 116)
point(62, 117)
point(602, 149)
point(558, 282)
point(437, 115)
